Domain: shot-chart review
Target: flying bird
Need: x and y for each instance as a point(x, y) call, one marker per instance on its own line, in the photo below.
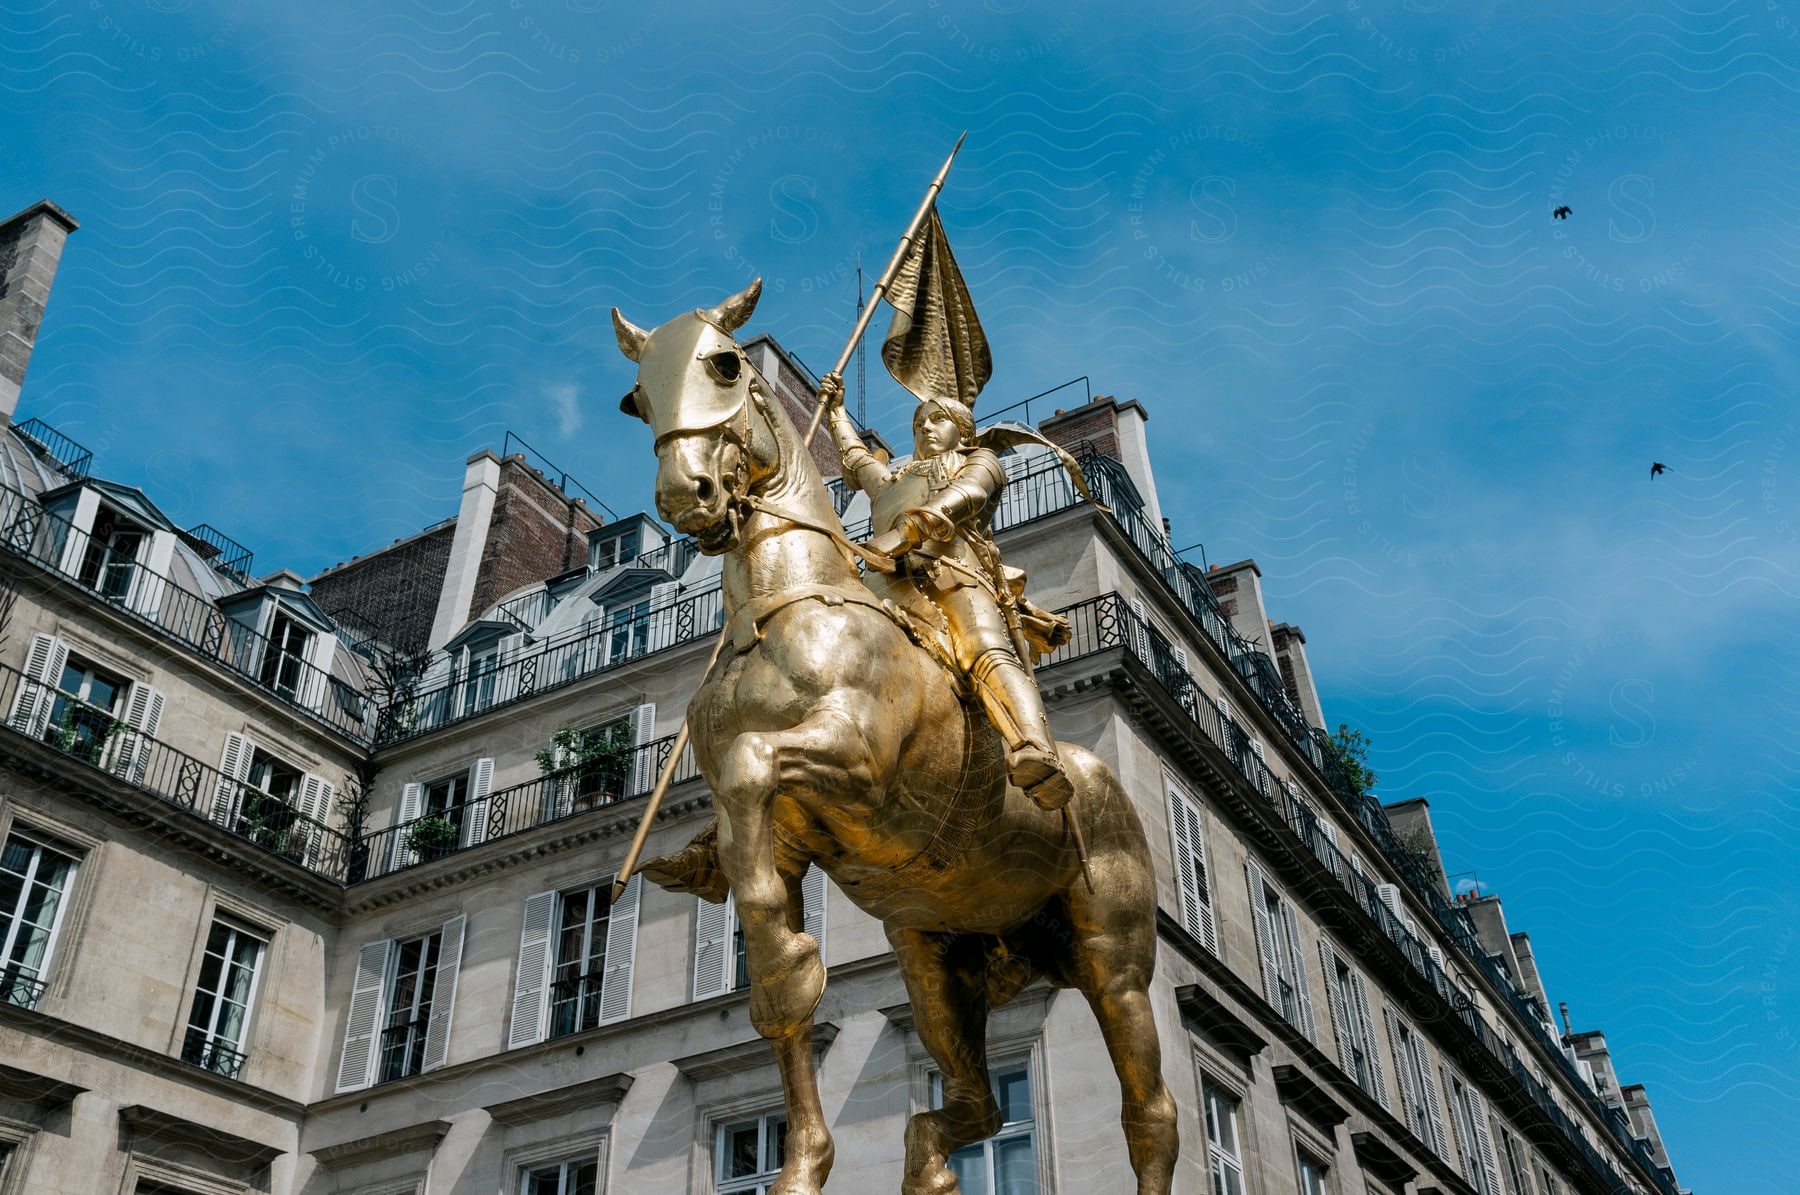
point(1657, 467)
point(1563, 212)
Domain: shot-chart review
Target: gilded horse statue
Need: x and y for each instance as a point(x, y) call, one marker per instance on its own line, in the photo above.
point(830, 739)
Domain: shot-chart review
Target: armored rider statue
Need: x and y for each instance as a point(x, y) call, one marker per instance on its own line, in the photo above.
point(932, 515)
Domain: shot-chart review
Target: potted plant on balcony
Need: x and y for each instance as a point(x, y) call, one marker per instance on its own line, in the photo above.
point(431, 837)
point(590, 765)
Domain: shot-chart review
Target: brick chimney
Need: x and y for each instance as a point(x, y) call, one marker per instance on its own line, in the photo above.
point(1296, 674)
point(1116, 429)
point(31, 245)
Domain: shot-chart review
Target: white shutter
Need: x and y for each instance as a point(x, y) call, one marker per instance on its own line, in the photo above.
point(149, 572)
point(643, 763)
point(44, 663)
point(714, 957)
point(143, 713)
point(1298, 959)
point(1365, 1018)
point(1409, 1086)
point(1341, 1014)
point(475, 815)
point(1140, 630)
point(234, 768)
point(443, 993)
point(1265, 935)
point(1437, 955)
point(412, 799)
point(661, 631)
point(357, 1063)
point(531, 986)
point(812, 904)
point(1190, 868)
point(1484, 1141)
point(1434, 1111)
point(1390, 896)
point(316, 795)
point(621, 952)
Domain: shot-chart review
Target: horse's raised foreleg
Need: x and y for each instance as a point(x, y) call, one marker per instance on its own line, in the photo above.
point(946, 980)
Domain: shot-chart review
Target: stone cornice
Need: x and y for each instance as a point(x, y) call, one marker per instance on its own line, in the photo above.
point(729, 1060)
point(598, 1096)
point(41, 1090)
point(411, 1139)
point(157, 1125)
point(104, 1045)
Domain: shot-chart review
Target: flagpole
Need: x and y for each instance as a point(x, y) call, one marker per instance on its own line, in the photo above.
point(887, 277)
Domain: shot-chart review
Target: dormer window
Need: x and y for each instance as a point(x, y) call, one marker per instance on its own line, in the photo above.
point(286, 655)
point(610, 550)
point(111, 556)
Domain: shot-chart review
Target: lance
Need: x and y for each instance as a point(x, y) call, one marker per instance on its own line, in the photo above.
point(887, 278)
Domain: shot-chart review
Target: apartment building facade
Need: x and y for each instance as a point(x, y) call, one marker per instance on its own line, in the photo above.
point(305, 888)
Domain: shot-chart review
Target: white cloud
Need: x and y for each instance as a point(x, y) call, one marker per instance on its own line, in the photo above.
point(565, 401)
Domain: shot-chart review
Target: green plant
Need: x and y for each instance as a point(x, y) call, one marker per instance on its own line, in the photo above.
point(1349, 750)
point(431, 836)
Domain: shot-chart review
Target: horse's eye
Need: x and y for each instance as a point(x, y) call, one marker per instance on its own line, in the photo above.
point(725, 366)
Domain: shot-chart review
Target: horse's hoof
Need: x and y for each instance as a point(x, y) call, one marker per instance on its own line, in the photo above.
point(784, 997)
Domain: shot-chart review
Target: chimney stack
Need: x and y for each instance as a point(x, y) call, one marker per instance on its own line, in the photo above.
point(31, 245)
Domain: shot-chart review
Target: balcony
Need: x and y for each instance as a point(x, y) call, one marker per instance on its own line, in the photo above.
point(65, 455)
point(211, 1053)
point(1108, 623)
point(191, 619)
point(550, 665)
point(96, 741)
point(549, 798)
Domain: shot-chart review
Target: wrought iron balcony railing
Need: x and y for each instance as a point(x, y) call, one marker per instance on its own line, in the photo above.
point(549, 798)
point(191, 619)
point(551, 664)
point(403, 1049)
point(19, 989)
point(94, 739)
point(1108, 622)
point(215, 1054)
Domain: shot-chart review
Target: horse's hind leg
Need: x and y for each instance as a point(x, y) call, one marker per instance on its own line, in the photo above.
point(1112, 956)
point(946, 980)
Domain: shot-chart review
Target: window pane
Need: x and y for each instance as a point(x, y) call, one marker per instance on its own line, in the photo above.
point(1015, 1167)
point(970, 1167)
point(741, 1150)
point(1013, 1090)
point(584, 1178)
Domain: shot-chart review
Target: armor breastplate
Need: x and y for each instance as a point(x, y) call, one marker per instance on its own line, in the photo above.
point(913, 485)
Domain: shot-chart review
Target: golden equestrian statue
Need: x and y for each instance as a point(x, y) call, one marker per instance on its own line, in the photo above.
point(831, 737)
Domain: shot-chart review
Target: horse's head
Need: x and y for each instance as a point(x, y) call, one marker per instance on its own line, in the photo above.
point(694, 390)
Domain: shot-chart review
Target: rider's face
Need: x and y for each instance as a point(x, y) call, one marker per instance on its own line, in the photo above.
point(935, 433)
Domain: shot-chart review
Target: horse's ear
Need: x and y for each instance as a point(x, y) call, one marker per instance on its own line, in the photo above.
point(631, 337)
point(735, 312)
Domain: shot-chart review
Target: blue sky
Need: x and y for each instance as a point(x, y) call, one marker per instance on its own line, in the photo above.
point(328, 250)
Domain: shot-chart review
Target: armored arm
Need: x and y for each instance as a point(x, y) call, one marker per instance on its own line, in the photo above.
point(862, 469)
point(970, 490)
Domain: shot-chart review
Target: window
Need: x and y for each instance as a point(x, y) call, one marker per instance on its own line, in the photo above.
point(576, 950)
point(398, 1019)
point(1468, 1113)
point(409, 1007)
point(34, 885)
point(565, 1178)
point(1006, 1163)
point(1513, 1155)
point(1418, 1090)
point(447, 800)
point(1312, 1174)
point(580, 959)
point(221, 1012)
point(1355, 1023)
point(720, 963)
point(271, 802)
point(627, 631)
point(616, 549)
point(1547, 1181)
point(85, 710)
point(480, 675)
point(592, 766)
point(110, 559)
point(748, 1155)
point(1224, 1147)
point(1185, 828)
point(1278, 940)
point(285, 655)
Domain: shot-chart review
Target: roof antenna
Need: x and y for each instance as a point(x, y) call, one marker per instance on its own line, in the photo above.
point(862, 368)
point(1562, 1006)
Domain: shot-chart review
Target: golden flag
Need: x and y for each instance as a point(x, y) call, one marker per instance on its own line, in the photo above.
point(935, 347)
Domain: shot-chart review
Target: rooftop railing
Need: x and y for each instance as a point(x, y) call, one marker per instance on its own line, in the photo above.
point(191, 619)
point(549, 798)
point(65, 455)
point(95, 739)
point(1107, 622)
point(552, 664)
